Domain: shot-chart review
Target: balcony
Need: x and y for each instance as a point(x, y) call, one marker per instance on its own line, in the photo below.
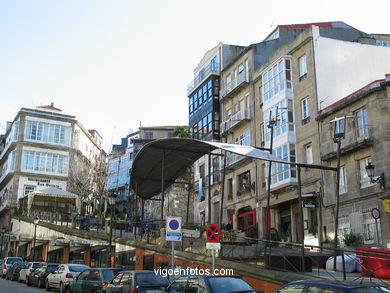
point(233, 159)
point(355, 139)
point(235, 85)
point(211, 68)
point(235, 120)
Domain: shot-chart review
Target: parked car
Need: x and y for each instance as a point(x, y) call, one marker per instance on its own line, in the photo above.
point(136, 281)
point(38, 276)
point(63, 275)
point(28, 269)
point(210, 284)
point(333, 286)
point(7, 263)
point(13, 272)
point(91, 280)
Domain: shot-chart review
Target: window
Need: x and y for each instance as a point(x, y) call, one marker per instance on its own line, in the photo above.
point(116, 279)
point(245, 138)
point(281, 171)
point(148, 134)
point(126, 279)
point(309, 154)
point(45, 162)
point(302, 68)
point(47, 132)
point(298, 288)
point(28, 189)
point(364, 179)
point(343, 180)
point(285, 121)
point(84, 275)
point(244, 182)
point(276, 79)
point(369, 230)
point(361, 122)
point(305, 110)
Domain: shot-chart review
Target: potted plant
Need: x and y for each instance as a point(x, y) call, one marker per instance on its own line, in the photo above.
point(230, 196)
point(239, 193)
point(352, 239)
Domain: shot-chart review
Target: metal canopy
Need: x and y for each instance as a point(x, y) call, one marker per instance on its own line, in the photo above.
point(170, 157)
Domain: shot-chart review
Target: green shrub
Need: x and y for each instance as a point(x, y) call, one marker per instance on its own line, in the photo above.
point(352, 239)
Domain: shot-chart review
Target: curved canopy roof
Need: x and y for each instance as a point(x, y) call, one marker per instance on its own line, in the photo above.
point(170, 157)
point(179, 154)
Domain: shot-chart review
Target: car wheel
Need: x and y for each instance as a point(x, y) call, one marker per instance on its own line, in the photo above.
point(47, 285)
point(62, 288)
point(68, 290)
point(28, 282)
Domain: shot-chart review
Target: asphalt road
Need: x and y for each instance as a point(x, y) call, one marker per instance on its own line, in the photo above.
point(16, 287)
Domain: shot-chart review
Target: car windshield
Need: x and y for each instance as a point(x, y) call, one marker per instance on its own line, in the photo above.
point(229, 284)
point(37, 265)
point(12, 260)
point(51, 268)
point(374, 289)
point(150, 279)
point(77, 268)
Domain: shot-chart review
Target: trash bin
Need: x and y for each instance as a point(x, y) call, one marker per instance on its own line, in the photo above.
point(374, 265)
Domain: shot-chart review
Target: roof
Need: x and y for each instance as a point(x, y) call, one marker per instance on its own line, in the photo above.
point(49, 107)
point(168, 158)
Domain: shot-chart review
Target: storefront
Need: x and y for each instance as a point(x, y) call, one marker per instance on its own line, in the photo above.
point(246, 217)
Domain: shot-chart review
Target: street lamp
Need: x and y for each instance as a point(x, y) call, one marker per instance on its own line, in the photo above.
point(378, 179)
point(36, 221)
point(111, 202)
point(339, 125)
point(3, 230)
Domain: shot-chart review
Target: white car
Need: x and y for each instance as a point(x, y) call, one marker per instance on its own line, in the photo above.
point(63, 275)
point(24, 273)
point(7, 263)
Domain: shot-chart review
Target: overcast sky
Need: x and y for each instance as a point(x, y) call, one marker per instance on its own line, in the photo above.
point(116, 63)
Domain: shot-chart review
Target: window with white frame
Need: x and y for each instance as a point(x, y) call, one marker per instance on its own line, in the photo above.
point(305, 110)
point(309, 154)
point(276, 79)
point(45, 162)
point(47, 132)
point(369, 230)
point(364, 179)
point(361, 122)
point(245, 138)
point(302, 67)
point(343, 180)
point(281, 171)
point(285, 119)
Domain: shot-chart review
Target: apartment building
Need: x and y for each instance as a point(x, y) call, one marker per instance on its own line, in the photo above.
point(298, 80)
point(204, 123)
point(366, 124)
point(43, 148)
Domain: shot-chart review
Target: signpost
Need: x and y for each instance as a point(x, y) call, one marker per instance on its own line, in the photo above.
point(376, 214)
point(213, 234)
point(173, 234)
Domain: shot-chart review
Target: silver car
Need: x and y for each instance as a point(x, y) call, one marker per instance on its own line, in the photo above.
point(63, 275)
point(24, 273)
point(7, 263)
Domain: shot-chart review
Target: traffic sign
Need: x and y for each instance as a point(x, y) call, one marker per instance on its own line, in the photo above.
point(173, 229)
point(213, 233)
point(375, 213)
point(213, 245)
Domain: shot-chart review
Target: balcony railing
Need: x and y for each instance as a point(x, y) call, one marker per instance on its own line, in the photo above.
point(203, 73)
point(235, 84)
point(355, 139)
point(236, 119)
point(232, 159)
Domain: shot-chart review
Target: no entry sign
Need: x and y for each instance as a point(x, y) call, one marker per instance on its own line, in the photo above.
point(213, 233)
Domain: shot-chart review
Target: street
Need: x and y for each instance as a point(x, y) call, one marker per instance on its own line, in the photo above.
point(16, 287)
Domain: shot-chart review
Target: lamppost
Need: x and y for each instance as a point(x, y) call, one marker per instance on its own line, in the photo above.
point(338, 134)
point(36, 221)
point(111, 202)
point(378, 179)
point(3, 230)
